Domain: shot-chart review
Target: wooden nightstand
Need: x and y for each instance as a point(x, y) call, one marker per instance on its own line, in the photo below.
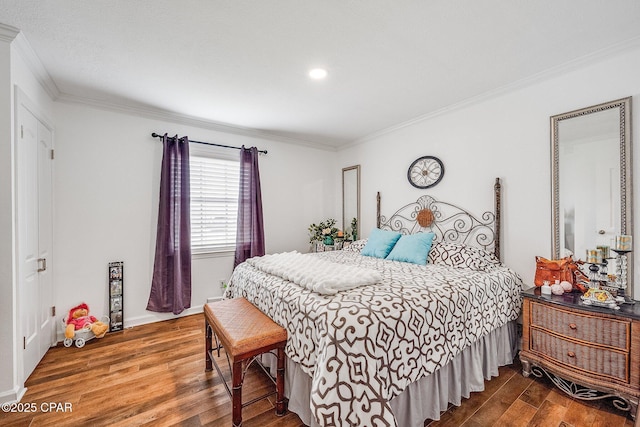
point(588, 352)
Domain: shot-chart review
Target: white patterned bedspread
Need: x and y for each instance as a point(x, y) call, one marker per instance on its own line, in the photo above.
point(364, 346)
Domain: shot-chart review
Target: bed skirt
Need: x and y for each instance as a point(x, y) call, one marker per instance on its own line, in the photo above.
point(429, 396)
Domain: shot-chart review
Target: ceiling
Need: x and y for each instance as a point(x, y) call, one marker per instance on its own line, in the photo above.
point(244, 63)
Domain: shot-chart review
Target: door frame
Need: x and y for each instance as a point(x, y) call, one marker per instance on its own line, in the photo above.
point(21, 99)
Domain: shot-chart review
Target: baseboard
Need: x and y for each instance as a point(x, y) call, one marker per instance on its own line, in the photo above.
point(14, 395)
point(154, 317)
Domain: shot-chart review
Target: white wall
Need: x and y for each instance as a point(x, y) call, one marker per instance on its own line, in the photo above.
point(106, 187)
point(505, 135)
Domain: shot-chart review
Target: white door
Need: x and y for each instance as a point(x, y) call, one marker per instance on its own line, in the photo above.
point(34, 239)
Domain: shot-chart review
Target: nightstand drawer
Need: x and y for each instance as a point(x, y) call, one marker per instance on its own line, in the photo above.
point(598, 361)
point(584, 327)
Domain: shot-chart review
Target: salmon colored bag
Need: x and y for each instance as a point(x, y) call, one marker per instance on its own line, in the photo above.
point(560, 269)
point(553, 269)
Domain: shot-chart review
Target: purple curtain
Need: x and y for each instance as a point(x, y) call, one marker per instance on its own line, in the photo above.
point(171, 283)
point(250, 233)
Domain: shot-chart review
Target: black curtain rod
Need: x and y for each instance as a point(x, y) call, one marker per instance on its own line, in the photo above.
point(155, 135)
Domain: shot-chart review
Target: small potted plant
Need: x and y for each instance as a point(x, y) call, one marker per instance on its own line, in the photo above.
point(354, 229)
point(324, 232)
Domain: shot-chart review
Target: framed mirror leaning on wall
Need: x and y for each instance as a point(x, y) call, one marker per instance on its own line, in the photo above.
point(591, 180)
point(351, 201)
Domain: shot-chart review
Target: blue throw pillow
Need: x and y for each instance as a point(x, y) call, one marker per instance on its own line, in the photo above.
point(413, 248)
point(380, 243)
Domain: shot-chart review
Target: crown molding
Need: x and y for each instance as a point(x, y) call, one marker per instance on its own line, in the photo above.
point(25, 50)
point(170, 116)
point(594, 57)
point(8, 33)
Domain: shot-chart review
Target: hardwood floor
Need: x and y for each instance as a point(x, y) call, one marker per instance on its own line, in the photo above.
point(153, 375)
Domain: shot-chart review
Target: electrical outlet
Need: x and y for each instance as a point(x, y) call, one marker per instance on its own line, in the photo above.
point(223, 284)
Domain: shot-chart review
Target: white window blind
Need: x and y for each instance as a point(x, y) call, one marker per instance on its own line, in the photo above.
point(214, 203)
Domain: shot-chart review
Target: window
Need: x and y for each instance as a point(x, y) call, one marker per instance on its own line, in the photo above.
point(214, 200)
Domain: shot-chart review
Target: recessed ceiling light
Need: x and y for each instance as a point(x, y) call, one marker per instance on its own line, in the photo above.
point(318, 73)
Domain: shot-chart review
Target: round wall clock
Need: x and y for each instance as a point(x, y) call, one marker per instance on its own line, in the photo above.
point(425, 172)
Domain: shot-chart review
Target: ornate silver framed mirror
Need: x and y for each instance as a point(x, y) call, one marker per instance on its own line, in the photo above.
point(591, 178)
point(351, 200)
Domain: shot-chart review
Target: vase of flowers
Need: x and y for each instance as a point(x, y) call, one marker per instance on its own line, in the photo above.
point(324, 232)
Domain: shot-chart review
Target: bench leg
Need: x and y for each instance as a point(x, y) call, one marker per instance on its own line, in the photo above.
point(237, 393)
point(280, 407)
point(208, 336)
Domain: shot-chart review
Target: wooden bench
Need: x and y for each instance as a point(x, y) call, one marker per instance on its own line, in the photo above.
point(245, 333)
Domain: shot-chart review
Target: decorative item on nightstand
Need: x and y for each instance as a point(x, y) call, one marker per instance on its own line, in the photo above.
point(623, 245)
point(563, 269)
point(354, 229)
point(599, 293)
point(338, 242)
point(606, 289)
point(324, 235)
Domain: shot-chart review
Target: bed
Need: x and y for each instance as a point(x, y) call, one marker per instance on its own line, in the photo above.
point(395, 352)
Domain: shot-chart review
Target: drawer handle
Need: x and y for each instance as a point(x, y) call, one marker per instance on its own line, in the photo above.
point(573, 326)
point(571, 354)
